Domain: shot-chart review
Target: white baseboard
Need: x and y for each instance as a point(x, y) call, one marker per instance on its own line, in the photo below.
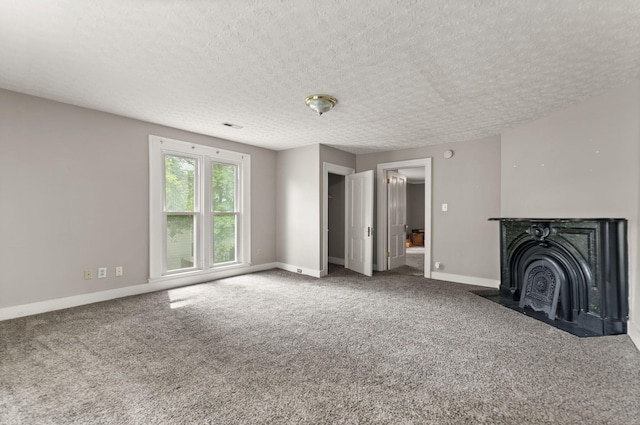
point(634, 333)
point(469, 280)
point(95, 297)
point(336, 260)
point(300, 270)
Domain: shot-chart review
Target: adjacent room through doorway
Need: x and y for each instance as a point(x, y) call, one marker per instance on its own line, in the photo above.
point(416, 233)
point(418, 213)
point(415, 240)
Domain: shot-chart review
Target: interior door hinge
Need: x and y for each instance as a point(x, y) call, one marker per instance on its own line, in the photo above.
point(388, 254)
point(388, 180)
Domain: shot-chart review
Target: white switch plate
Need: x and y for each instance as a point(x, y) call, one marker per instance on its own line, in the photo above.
point(102, 272)
point(119, 271)
point(445, 207)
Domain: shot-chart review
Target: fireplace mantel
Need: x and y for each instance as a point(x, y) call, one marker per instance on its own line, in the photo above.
point(583, 259)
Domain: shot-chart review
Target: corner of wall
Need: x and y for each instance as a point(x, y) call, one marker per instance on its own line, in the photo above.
point(299, 270)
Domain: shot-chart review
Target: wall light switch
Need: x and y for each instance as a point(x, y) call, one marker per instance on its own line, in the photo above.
point(445, 207)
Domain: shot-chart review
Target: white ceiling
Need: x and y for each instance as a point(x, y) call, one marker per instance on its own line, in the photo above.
point(405, 73)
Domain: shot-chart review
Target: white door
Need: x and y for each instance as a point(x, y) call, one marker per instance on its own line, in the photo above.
point(359, 222)
point(396, 219)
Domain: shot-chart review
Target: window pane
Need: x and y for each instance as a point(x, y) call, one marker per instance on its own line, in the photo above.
point(224, 238)
point(180, 239)
point(223, 187)
point(179, 183)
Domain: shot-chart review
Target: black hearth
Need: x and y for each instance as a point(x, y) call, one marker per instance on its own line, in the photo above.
point(570, 273)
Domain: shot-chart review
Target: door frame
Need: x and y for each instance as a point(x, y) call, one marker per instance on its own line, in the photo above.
point(381, 243)
point(328, 168)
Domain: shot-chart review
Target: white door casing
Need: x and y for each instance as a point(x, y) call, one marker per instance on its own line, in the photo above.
point(396, 219)
point(382, 209)
point(329, 168)
point(359, 222)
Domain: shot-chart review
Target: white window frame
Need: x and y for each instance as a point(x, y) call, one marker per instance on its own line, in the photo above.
point(204, 156)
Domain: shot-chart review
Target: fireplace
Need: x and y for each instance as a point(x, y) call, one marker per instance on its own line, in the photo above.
point(569, 273)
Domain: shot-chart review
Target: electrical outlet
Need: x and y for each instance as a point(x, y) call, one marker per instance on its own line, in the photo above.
point(88, 275)
point(299, 270)
point(102, 272)
point(438, 264)
point(445, 207)
point(119, 271)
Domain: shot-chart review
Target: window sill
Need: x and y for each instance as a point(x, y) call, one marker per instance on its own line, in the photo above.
point(199, 276)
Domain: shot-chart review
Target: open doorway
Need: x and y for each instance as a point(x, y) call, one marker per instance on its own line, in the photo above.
point(381, 244)
point(415, 216)
point(333, 227)
point(336, 224)
point(348, 219)
point(419, 169)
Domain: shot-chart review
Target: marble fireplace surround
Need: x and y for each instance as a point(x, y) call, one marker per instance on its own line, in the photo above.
point(571, 273)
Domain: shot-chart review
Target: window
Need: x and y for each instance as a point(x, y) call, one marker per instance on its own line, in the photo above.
point(199, 208)
point(179, 211)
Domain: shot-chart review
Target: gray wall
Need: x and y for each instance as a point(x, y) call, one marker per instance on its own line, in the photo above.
point(298, 200)
point(463, 240)
point(74, 191)
point(583, 161)
point(337, 157)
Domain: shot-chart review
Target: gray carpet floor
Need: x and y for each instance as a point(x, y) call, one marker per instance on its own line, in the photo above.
point(416, 262)
point(279, 348)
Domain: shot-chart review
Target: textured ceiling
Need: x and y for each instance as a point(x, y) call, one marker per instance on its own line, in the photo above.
point(405, 73)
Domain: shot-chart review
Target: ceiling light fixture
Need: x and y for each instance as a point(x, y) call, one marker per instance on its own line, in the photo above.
point(321, 103)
